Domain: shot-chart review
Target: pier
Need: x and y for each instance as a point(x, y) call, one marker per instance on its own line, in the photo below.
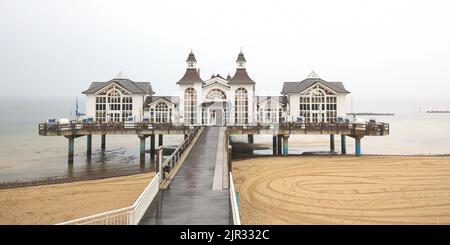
point(280, 132)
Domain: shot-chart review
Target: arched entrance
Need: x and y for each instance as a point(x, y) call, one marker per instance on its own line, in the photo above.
point(214, 108)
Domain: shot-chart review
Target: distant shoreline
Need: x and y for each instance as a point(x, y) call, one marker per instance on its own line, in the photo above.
point(438, 111)
point(370, 114)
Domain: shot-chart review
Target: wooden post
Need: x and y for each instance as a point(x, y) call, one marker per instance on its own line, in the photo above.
point(343, 145)
point(160, 140)
point(103, 142)
point(332, 142)
point(89, 145)
point(160, 163)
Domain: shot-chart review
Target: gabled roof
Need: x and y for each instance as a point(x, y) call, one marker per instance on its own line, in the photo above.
point(298, 87)
point(190, 76)
point(171, 99)
point(282, 99)
point(132, 87)
point(241, 77)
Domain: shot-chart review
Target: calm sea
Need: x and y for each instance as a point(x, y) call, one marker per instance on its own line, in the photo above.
point(26, 156)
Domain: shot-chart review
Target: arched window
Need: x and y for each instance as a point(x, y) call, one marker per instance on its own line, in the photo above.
point(241, 106)
point(318, 105)
point(269, 112)
point(114, 99)
point(161, 112)
point(216, 94)
point(190, 106)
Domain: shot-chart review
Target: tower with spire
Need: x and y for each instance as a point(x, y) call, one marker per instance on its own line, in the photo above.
point(241, 79)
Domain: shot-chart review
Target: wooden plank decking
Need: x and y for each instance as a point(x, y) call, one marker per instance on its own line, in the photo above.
point(190, 198)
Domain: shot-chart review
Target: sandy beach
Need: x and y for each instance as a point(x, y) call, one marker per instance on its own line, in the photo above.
point(344, 190)
point(55, 203)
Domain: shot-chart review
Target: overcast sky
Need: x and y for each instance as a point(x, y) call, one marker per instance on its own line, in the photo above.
point(378, 48)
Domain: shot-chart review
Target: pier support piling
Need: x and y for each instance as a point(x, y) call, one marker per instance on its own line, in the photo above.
point(160, 140)
point(103, 142)
point(332, 143)
point(358, 146)
point(343, 145)
point(89, 145)
point(285, 145)
point(250, 139)
point(71, 149)
point(274, 145)
point(279, 145)
point(152, 146)
point(142, 147)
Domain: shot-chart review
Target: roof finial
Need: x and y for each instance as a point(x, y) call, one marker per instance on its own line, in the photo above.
point(191, 51)
point(241, 50)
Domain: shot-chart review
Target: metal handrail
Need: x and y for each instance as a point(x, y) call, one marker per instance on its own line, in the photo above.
point(124, 216)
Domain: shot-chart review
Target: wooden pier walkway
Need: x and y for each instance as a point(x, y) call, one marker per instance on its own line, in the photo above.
point(190, 198)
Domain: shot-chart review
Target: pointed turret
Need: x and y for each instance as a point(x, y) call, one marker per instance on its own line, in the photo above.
point(191, 75)
point(241, 75)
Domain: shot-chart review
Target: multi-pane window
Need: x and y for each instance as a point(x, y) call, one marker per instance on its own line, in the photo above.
point(241, 106)
point(190, 106)
point(318, 106)
point(100, 109)
point(113, 106)
point(216, 94)
point(269, 112)
point(162, 113)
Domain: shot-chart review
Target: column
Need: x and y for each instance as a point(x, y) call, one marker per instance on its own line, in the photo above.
point(332, 142)
point(279, 145)
point(89, 145)
point(142, 148)
point(160, 139)
point(343, 145)
point(152, 146)
point(71, 148)
point(274, 145)
point(285, 145)
point(103, 142)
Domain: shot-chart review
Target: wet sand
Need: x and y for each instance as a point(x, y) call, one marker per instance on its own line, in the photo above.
point(55, 203)
point(344, 190)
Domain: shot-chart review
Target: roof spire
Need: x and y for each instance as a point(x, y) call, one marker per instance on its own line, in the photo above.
point(241, 60)
point(313, 75)
point(191, 61)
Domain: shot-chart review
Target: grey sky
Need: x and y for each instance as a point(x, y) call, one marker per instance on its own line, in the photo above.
point(377, 48)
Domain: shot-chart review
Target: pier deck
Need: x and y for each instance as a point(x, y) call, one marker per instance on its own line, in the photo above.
point(190, 198)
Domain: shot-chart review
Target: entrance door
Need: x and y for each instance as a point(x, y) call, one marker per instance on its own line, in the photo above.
point(211, 117)
point(219, 117)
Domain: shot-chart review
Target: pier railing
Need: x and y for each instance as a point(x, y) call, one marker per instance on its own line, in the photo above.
point(374, 129)
point(174, 158)
point(234, 203)
point(105, 128)
point(125, 216)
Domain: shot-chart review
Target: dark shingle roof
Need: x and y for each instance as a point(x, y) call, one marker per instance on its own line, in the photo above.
point(297, 87)
point(241, 77)
point(172, 99)
point(191, 58)
point(133, 87)
point(241, 57)
point(190, 76)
